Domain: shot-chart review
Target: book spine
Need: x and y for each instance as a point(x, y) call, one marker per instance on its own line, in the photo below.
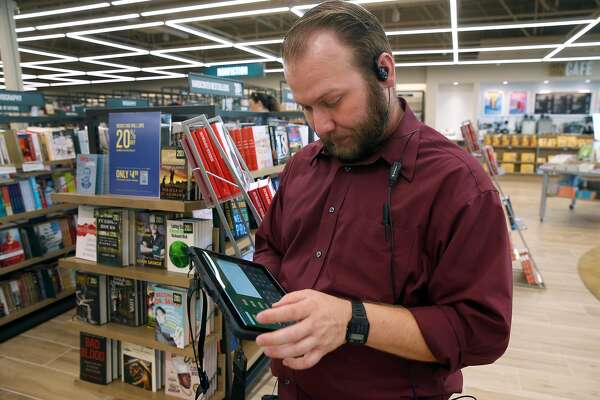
point(256, 201)
point(213, 163)
point(208, 166)
point(6, 198)
point(250, 148)
point(36, 194)
point(221, 165)
point(266, 197)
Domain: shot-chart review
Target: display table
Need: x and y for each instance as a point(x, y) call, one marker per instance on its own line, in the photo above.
point(571, 169)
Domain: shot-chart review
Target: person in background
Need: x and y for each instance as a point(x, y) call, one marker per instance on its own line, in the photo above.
point(262, 102)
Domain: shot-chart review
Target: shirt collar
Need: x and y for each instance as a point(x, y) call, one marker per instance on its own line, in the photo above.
point(402, 144)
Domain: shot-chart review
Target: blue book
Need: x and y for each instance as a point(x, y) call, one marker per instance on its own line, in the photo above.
point(87, 166)
point(134, 153)
point(36, 193)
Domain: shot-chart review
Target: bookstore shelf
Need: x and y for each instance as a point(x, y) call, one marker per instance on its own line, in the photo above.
point(61, 119)
point(22, 175)
point(37, 213)
point(37, 306)
point(141, 335)
point(146, 203)
point(132, 272)
point(35, 260)
point(277, 169)
point(121, 390)
point(252, 351)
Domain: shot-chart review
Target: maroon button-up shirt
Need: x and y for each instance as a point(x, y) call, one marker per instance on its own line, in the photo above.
point(451, 254)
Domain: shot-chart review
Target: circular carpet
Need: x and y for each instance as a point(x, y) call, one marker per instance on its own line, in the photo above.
point(589, 271)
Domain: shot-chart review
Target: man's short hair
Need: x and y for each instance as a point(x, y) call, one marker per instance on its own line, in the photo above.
point(354, 26)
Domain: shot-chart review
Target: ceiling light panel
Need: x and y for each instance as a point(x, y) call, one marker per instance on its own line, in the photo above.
point(88, 21)
point(454, 27)
point(231, 15)
point(62, 11)
point(119, 28)
point(25, 29)
point(125, 2)
point(573, 38)
point(523, 25)
point(193, 48)
point(199, 7)
point(105, 43)
point(40, 37)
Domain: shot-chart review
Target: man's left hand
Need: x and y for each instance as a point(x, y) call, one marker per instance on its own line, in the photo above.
point(320, 327)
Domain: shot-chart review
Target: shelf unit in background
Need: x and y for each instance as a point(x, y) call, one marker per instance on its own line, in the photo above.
point(35, 260)
point(55, 209)
point(142, 203)
point(120, 390)
point(13, 316)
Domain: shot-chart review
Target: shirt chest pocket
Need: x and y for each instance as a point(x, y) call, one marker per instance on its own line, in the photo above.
point(364, 269)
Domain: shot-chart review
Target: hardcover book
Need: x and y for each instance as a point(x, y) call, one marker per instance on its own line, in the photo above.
point(140, 366)
point(95, 359)
point(181, 234)
point(87, 169)
point(112, 233)
point(174, 182)
point(85, 246)
point(11, 247)
point(124, 297)
point(150, 239)
point(170, 314)
point(90, 297)
point(50, 236)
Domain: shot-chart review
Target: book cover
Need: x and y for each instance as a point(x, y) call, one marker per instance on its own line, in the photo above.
point(109, 243)
point(150, 321)
point(150, 239)
point(170, 316)
point(181, 376)
point(85, 246)
point(63, 147)
point(90, 298)
point(87, 170)
point(139, 365)
point(294, 139)
point(11, 247)
point(94, 363)
point(50, 236)
point(134, 153)
point(35, 191)
point(173, 174)
point(27, 195)
point(279, 144)
point(180, 236)
point(124, 300)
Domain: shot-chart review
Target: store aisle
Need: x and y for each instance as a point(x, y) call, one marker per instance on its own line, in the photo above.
point(554, 349)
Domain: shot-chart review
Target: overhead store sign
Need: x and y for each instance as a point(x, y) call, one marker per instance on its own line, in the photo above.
point(124, 103)
point(235, 71)
point(12, 101)
point(578, 68)
point(209, 85)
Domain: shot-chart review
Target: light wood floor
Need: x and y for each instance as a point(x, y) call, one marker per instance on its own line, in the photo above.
point(554, 351)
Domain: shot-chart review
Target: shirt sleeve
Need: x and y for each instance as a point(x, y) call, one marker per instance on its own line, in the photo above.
point(470, 288)
point(269, 247)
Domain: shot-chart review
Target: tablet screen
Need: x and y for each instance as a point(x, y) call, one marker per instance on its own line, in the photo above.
point(248, 286)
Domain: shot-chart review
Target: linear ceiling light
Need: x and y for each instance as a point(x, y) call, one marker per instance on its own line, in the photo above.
point(424, 64)
point(117, 55)
point(25, 29)
point(193, 48)
point(567, 59)
point(270, 71)
point(523, 25)
point(232, 15)
point(62, 11)
point(572, 39)
point(152, 78)
point(513, 61)
point(105, 43)
point(255, 52)
point(125, 2)
point(199, 33)
point(88, 21)
point(261, 42)
point(118, 28)
point(176, 58)
point(121, 67)
point(508, 48)
point(47, 54)
point(419, 31)
point(419, 52)
point(199, 7)
point(454, 27)
point(40, 37)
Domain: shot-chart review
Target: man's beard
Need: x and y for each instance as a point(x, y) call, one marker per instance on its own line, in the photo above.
point(368, 136)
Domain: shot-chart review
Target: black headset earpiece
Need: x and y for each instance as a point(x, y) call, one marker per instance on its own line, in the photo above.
point(382, 73)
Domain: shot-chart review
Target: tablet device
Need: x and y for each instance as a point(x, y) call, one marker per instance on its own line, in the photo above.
point(241, 288)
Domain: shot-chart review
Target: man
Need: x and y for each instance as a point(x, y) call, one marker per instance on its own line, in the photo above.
point(390, 240)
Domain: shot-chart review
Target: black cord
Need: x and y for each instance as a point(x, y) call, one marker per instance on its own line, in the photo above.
point(199, 354)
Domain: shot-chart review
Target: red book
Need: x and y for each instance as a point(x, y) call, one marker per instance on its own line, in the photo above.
point(187, 148)
point(215, 162)
point(6, 199)
point(235, 135)
point(208, 166)
point(250, 147)
point(243, 146)
point(226, 171)
point(266, 195)
point(256, 201)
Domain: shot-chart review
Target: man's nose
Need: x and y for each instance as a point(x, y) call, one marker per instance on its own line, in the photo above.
point(323, 122)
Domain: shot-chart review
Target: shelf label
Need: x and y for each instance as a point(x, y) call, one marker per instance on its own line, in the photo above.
point(114, 102)
point(209, 85)
point(234, 71)
point(14, 101)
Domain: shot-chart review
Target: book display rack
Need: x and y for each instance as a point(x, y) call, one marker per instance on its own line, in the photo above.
point(525, 269)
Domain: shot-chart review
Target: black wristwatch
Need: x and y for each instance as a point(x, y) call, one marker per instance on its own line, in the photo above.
point(357, 331)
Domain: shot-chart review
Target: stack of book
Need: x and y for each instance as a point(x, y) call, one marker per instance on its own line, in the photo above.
point(33, 193)
point(26, 288)
point(4, 155)
point(50, 144)
point(36, 240)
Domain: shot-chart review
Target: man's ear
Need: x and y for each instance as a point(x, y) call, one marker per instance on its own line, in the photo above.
point(387, 62)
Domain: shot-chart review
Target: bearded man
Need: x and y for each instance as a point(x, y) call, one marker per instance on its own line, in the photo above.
point(390, 240)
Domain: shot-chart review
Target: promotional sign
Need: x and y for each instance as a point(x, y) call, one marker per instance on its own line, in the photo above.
point(563, 103)
point(233, 71)
point(134, 153)
point(13, 101)
point(121, 103)
point(209, 85)
point(492, 102)
point(518, 103)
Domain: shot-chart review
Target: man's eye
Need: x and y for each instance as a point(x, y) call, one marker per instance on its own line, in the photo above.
point(333, 102)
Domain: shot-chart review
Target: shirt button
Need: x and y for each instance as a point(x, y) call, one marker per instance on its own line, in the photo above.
point(287, 381)
point(347, 169)
point(331, 210)
point(318, 254)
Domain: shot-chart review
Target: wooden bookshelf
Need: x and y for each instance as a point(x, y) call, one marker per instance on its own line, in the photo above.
point(275, 170)
point(243, 243)
point(145, 203)
point(252, 352)
point(37, 213)
point(132, 272)
point(121, 390)
point(141, 335)
point(35, 260)
point(34, 307)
